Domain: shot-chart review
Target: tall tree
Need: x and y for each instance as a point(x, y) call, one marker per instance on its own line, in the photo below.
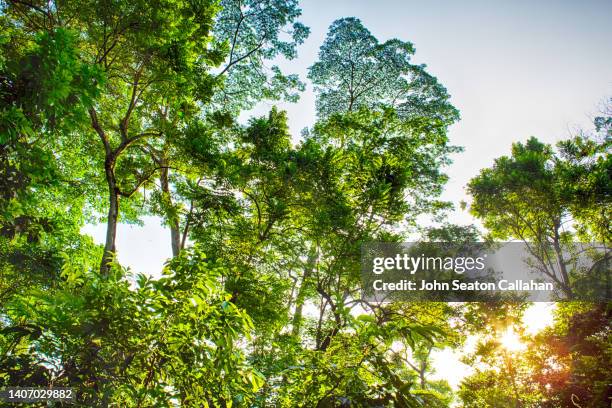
point(355, 70)
point(148, 53)
point(356, 186)
point(375, 109)
point(251, 34)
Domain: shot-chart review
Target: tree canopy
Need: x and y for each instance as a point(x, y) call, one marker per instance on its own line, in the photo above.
point(112, 110)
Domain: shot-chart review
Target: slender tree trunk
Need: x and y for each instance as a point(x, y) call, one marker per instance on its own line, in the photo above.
point(561, 261)
point(175, 236)
point(423, 367)
point(301, 295)
point(113, 194)
point(422, 378)
point(113, 217)
point(175, 233)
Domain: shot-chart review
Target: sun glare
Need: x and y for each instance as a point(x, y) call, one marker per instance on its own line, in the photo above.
point(537, 317)
point(511, 341)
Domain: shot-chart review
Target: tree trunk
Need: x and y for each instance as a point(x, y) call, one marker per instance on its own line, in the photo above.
point(173, 222)
point(112, 219)
point(301, 295)
point(423, 370)
point(561, 261)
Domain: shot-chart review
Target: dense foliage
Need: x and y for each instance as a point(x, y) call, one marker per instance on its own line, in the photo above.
point(112, 110)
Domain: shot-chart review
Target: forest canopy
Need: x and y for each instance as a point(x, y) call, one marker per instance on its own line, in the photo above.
point(111, 111)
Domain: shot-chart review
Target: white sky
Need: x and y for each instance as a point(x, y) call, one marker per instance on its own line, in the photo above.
point(513, 69)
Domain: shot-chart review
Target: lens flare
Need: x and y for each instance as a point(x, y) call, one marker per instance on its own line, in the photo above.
point(511, 341)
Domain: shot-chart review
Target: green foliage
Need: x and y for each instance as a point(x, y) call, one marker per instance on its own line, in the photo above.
point(548, 200)
point(252, 32)
point(43, 174)
point(502, 375)
point(571, 360)
point(530, 194)
point(355, 70)
point(111, 110)
point(565, 364)
point(170, 340)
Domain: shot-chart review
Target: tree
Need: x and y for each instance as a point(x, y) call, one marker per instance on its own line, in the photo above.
point(257, 32)
point(43, 200)
point(569, 361)
point(147, 53)
point(541, 198)
point(165, 341)
point(262, 307)
point(355, 70)
point(563, 365)
point(502, 374)
point(585, 173)
point(158, 62)
point(291, 220)
point(360, 186)
point(249, 33)
point(548, 199)
point(113, 78)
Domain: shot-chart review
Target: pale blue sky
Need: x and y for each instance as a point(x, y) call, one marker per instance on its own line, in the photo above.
point(513, 68)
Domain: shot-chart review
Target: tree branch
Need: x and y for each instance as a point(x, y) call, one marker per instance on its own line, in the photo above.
point(125, 122)
point(34, 7)
point(140, 182)
point(96, 125)
point(248, 54)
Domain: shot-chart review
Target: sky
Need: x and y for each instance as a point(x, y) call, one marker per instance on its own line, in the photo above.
point(514, 69)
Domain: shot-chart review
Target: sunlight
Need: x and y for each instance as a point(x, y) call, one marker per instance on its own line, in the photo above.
point(511, 341)
point(538, 316)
